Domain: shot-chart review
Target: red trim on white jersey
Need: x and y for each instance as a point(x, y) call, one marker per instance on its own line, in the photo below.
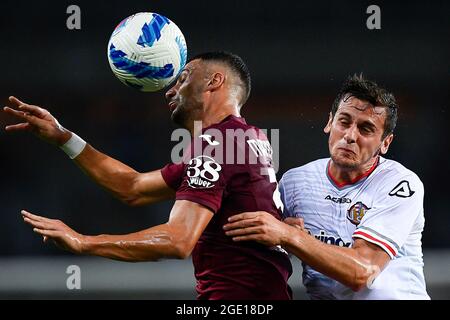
point(358, 178)
point(375, 240)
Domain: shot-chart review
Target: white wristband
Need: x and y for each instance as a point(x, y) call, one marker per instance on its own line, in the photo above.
point(73, 146)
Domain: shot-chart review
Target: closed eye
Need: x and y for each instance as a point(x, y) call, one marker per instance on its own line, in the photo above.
point(344, 121)
point(182, 77)
point(367, 129)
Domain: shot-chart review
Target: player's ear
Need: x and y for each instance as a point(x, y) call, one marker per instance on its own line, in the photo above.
point(386, 143)
point(216, 80)
point(327, 128)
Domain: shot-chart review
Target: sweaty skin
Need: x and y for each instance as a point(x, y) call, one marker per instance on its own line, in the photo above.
point(355, 141)
point(169, 240)
point(126, 184)
point(204, 92)
point(211, 91)
point(354, 267)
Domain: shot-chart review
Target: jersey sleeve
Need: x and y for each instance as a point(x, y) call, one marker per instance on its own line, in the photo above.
point(200, 177)
point(172, 174)
point(200, 181)
point(391, 219)
point(203, 182)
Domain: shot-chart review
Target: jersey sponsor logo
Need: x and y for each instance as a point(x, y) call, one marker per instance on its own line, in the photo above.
point(330, 239)
point(202, 172)
point(356, 212)
point(338, 200)
point(402, 190)
point(208, 139)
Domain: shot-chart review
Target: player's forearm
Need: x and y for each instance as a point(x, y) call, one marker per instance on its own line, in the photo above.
point(341, 264)
point(147, 245)
point(109, 173)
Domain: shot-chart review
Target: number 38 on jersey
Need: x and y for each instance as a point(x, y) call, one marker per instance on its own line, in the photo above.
point(203, 172)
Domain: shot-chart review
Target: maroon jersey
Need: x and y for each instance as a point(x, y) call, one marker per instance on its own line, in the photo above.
point(228, 169)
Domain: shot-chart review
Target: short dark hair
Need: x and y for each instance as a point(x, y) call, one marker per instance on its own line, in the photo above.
point(235, 63)
point(359, 87)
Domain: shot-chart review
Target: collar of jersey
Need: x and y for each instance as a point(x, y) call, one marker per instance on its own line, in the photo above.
point(354, 181)
point(227, 118)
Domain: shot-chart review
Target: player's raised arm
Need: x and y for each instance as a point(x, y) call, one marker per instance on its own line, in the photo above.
point(174, 239)
point(123, 182)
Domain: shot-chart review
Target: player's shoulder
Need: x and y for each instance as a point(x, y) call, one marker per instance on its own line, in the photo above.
point(312, 168)
point(396, 177)
point(391, 169)
point(237, 129)
point(233, 122)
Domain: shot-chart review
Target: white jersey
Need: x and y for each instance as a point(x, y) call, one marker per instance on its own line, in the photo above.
point(384, 208)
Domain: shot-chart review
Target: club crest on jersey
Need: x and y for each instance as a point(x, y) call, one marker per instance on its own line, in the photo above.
point(357, 212)
point(203, 172)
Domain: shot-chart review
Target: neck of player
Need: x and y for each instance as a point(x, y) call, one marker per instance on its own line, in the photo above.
point(215, 113)
point(346, 175)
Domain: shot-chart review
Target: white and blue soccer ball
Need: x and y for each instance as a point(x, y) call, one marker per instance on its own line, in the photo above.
point(147, 51)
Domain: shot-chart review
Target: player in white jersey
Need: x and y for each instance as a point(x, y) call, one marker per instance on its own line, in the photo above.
point(363, 213)
point(384, 208)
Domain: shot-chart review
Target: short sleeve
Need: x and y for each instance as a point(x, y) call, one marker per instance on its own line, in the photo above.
point(172, 174)
point(203, 182)
point(391, 219)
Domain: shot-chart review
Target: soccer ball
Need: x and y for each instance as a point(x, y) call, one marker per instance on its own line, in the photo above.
point(147, 51)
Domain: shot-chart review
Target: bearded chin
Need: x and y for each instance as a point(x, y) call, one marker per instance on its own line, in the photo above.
point(179, 117)
point(344, 163)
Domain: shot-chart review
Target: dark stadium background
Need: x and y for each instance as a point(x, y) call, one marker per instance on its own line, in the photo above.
point(298, 53)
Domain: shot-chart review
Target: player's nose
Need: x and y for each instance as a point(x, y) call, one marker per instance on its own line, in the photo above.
point(350, 134)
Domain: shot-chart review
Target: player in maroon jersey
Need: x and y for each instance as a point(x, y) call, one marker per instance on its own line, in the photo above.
point(210, 185)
